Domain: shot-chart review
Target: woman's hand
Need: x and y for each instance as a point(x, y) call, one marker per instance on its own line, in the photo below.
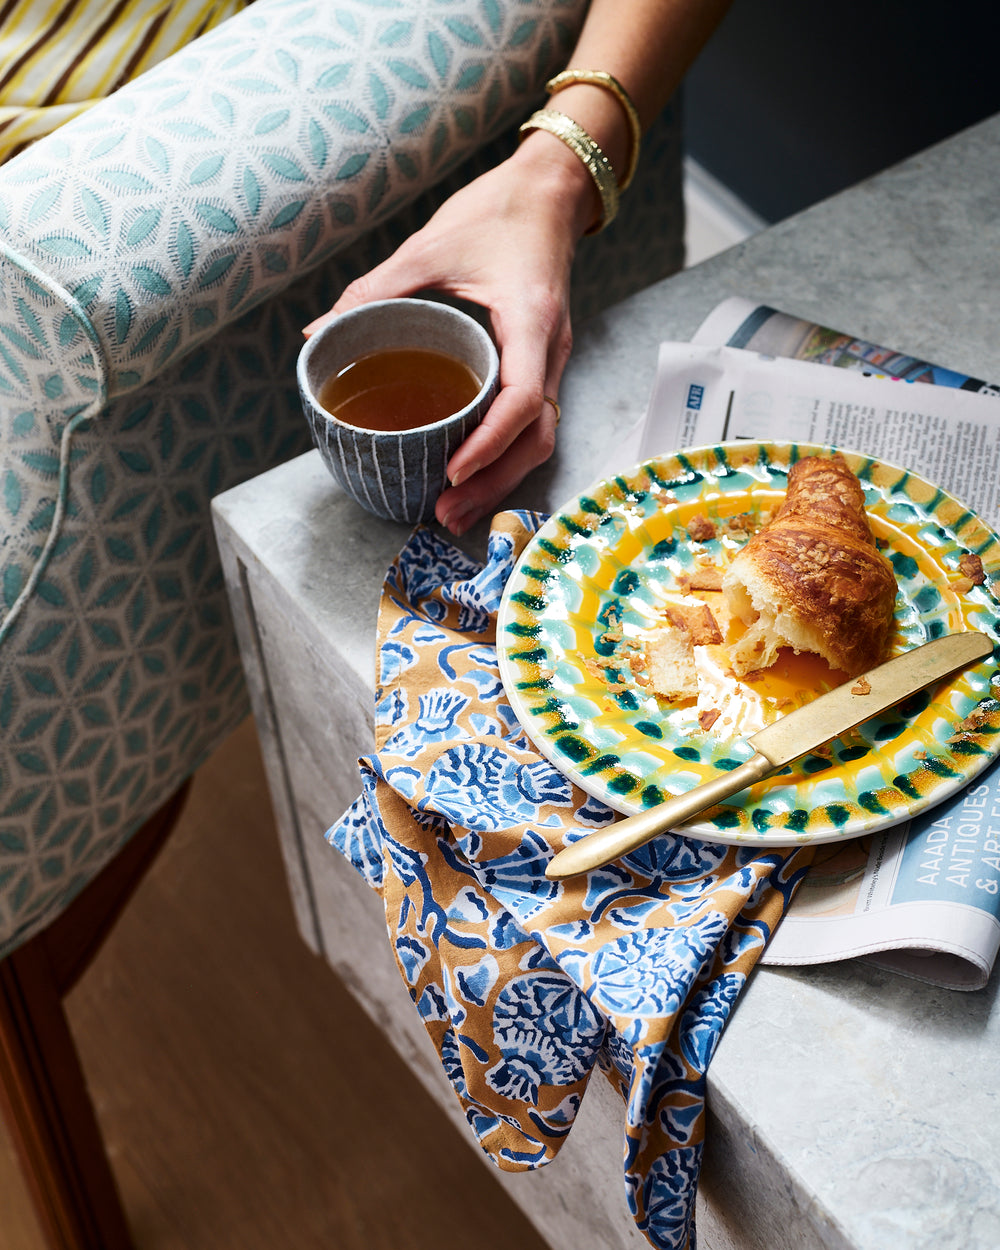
point(506, 242)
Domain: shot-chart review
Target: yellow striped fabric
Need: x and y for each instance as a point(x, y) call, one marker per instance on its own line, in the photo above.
point(57, 57)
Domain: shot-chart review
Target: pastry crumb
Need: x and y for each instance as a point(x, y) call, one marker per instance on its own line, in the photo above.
point(614, 683)
point(972, 567)
point(707, 717)
point(700, 528)
point(742, 523)
point(972, 723)
point(698, 621)
point(708, 577)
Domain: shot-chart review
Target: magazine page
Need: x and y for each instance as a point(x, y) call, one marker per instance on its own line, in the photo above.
point(924, 897)
point(739, 322)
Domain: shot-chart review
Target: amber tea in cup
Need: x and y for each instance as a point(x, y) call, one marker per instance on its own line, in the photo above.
point(391, 390)
point(399, 389)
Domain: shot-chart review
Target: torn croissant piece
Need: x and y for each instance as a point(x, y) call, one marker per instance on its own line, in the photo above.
point(670, 664)
point(813, 579)
point(697, 620)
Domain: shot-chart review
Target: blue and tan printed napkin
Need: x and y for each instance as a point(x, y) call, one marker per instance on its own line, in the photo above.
point(526, 986)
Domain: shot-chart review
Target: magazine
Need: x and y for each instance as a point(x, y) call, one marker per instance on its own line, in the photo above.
point(923, 897)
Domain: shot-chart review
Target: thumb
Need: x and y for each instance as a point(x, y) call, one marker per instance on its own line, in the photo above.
point(400, 274)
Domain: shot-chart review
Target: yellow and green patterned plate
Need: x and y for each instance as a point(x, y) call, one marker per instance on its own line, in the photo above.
point(595, 581)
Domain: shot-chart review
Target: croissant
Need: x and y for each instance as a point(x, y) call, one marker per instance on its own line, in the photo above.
point(813, 579)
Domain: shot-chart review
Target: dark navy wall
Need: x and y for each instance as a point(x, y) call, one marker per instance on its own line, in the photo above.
point(794, 100)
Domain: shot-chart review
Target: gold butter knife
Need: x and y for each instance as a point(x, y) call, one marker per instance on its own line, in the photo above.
point(779, 744)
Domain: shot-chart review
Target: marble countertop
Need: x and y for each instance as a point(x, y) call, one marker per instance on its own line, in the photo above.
point(851, 1107)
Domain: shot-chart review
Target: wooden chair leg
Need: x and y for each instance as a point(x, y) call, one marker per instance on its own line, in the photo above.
point(43, 1089)
point(50, 1113)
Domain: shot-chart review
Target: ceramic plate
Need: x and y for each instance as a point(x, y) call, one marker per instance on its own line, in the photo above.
point(598, 577)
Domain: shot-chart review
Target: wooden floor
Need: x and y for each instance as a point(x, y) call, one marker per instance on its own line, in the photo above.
point(245, 1099)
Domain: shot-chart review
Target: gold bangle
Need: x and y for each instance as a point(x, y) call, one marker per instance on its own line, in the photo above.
point(600, 78)
point(583, 146)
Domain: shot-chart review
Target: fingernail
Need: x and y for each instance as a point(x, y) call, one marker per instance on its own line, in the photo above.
point(317, 324)
point(464, 474)
point(459, 519)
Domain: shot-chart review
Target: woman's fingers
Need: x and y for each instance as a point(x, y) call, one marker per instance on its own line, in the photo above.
point(459, 508)
point(477, 494)
point(513, 412)
point(533, 335)
point(519, 271)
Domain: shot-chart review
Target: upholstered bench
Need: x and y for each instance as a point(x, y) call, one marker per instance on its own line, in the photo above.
point(160, 254)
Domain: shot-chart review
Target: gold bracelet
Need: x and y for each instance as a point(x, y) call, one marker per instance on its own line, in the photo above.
point(600, 78)
point(583, 146)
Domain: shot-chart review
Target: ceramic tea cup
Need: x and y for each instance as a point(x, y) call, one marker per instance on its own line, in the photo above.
point(396, 474)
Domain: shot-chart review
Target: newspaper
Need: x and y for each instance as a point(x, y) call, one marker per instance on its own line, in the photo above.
point(923, 897)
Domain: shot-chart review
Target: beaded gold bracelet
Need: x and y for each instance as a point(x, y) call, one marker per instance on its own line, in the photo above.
point(583, 146)
point(601, 78)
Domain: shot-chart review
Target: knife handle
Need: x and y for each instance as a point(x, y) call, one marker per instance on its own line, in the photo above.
point(604, 845)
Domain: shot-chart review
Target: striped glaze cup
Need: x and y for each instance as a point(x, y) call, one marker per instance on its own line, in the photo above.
point(395, 474)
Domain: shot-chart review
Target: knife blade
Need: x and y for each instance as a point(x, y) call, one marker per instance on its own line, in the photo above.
point(781, 743)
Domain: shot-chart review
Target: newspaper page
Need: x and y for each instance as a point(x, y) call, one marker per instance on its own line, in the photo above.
point(922, 898)
point(715, 394)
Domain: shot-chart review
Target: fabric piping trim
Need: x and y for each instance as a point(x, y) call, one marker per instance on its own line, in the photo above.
point(62, 490)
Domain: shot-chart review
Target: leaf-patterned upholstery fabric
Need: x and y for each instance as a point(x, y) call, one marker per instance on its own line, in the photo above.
point(159, 257)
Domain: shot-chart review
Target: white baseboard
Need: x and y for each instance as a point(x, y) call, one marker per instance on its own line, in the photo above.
point(716, 218)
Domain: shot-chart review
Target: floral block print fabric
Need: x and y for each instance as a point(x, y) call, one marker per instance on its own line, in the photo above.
point(527, 986)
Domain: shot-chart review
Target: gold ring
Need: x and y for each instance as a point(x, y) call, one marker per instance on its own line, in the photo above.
point(547, 399)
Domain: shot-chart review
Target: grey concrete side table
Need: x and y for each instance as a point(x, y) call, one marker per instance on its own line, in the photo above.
point(850, 1109)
